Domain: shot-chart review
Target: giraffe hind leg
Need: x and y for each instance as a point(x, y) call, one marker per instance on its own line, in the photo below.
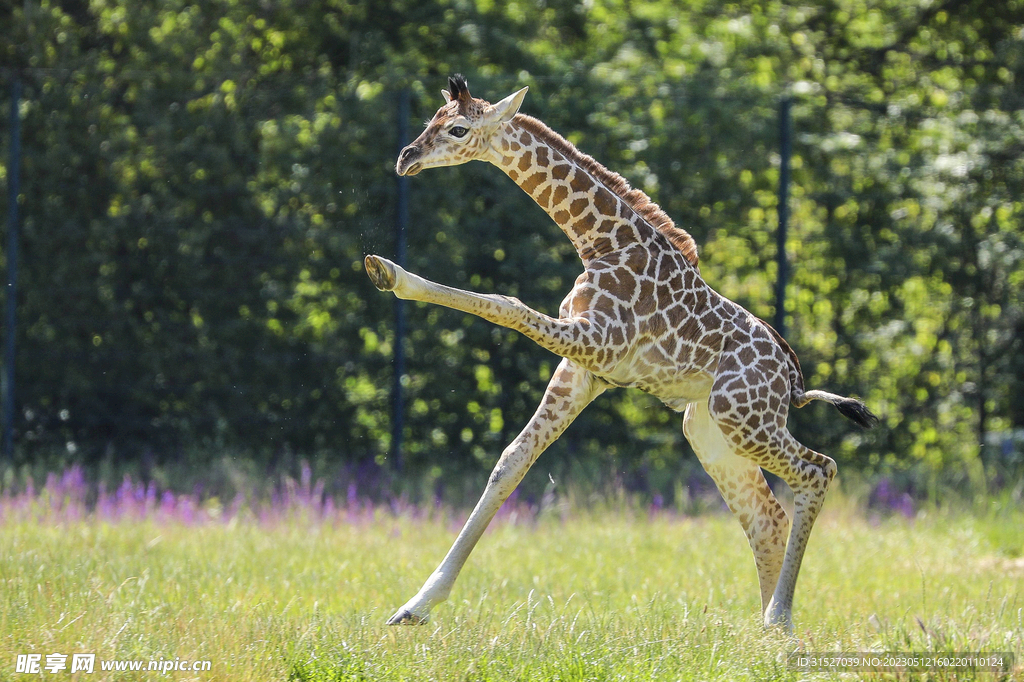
point(749, 402)
point(809, 474)
point(766, 442)
point(747, 494)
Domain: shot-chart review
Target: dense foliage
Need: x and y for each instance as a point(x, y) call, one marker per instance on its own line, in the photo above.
point(200, 183)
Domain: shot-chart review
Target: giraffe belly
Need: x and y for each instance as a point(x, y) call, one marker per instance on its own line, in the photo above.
point(672, 385)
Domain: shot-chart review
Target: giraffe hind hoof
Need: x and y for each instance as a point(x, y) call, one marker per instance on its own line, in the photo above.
point(406, 617)
point(381, 272)
point(777, 619)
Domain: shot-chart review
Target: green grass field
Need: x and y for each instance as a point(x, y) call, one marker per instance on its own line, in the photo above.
point(614, 595)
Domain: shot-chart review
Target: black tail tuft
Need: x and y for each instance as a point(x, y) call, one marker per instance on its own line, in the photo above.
point(857, 412)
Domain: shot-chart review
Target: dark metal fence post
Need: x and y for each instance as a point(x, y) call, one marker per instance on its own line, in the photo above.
point(785, 152)
point(13, 189)
point(401, 222)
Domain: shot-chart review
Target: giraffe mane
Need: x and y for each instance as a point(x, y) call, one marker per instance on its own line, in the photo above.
point(636, 199)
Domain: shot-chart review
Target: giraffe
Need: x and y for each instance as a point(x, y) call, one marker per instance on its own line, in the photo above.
point(639, 315)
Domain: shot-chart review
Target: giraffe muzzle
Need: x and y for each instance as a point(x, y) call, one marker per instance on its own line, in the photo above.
point(407, 164)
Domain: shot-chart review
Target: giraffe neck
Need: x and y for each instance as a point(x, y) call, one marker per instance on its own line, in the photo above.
point(562, 182)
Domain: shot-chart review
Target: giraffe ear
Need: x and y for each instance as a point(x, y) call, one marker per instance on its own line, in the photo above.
point(507, 108)
point(447, 96)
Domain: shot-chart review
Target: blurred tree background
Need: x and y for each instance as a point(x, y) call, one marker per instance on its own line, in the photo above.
point(200, 183)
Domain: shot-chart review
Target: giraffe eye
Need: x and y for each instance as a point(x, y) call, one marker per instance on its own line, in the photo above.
point(458, 131)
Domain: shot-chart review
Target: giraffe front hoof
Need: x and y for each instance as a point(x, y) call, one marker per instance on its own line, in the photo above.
point(382, 272)
point(407, 617)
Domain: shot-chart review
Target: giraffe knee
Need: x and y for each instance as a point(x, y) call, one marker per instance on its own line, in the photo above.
point(826, 465)
point(499, 474)
point(830, 469)
point(509, 469)
point(813, 473)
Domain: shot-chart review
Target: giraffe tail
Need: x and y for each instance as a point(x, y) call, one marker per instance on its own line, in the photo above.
point(851, 408)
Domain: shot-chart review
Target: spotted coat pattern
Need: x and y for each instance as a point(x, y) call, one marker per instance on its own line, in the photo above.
point(639, 315)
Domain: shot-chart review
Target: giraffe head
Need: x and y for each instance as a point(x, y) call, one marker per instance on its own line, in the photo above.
point(462, 130)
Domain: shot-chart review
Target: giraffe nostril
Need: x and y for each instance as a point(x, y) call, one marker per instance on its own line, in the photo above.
point(409, 153)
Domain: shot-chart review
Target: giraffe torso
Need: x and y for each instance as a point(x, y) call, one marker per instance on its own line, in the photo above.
point(671, 327)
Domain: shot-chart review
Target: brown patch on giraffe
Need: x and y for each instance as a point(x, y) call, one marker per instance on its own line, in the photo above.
point(525, 161)
point(635, 199)
point(652, 270)
point(544, 198)
point(645, 305)
point(606, 280)
point(533, 182)
point(658, 325)
point(599, 247)
point(542, 157)
point(581, 301)
point(764, 348)
point(616, 336)
point(689, 328)
point(561, 171)
point(625, 233)
point(560, 195)
point(581, 182)
point(622, 284)
point(720, 405)
point(604, 201)
point(561, 217)
point(646, 289)
point(635, 260)
point(582, 226)
point(578, 206)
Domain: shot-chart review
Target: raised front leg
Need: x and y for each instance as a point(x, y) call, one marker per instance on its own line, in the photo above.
point(575, 338)
point(569, 391)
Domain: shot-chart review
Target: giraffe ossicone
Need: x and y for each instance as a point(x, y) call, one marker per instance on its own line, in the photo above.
point(641, 316)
